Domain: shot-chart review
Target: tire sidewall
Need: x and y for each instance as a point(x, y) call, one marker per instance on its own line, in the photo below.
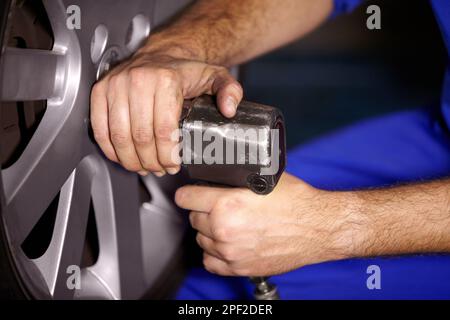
point(10, 283)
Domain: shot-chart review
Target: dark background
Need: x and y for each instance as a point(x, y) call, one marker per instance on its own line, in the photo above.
point(344, 72)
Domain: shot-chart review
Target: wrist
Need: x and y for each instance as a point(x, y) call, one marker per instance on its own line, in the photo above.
point(174, 45)
point(350, 232)
point(330, 225)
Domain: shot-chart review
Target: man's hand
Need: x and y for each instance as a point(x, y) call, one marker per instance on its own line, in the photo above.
point(136, 107)
point(246, 234)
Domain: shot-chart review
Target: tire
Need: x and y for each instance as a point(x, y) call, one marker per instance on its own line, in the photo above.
point(72, 224)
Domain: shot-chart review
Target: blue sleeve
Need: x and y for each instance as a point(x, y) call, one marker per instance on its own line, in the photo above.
point(344, 6)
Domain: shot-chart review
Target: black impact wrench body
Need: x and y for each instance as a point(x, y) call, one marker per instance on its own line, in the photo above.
point(252, 153)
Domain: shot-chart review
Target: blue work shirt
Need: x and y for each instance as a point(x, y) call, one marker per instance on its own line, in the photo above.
point(442, 12)
point(401, 147)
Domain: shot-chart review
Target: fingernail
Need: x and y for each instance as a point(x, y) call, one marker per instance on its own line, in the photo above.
point(159, 174)
point(143, 173)
point(173, 171)
point(230, 105)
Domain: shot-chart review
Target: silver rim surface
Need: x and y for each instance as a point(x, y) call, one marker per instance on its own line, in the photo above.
point(136, 240)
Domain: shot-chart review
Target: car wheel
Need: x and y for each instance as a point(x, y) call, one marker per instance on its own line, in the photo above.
point(74, 225)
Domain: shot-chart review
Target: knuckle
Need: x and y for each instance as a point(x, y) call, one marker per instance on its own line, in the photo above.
point(101, 136)
point(97, 88)
point(142, 136)
point(114, 81)
point(199, 240)
point(137, 76)
point(208, 263)
point(99, 132)
point(236, 87)
point(227, 204)
point(220, 207)
point(165, 161)
point(163, 132)
point(225, 227)
point(167, 77)
point(120, 139)
point(228, 253)
point(222, 233)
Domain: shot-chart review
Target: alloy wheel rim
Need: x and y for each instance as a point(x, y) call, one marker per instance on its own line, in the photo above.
point(136, 238)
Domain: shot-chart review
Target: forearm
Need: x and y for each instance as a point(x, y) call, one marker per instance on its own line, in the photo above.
point(398, 220)
point(233, 31)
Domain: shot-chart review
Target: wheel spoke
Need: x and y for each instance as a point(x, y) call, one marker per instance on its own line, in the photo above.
point(34, 180)
point(165, 225)
point(67, 243)
point(128, 228)
point(160, 219)
point(103, 277)
point(159, 198)
point(116, 204)
point(31, 74)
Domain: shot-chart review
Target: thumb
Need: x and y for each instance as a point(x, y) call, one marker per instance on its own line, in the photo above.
point(228, 93)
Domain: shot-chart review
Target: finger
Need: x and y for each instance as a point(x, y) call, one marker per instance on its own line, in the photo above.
point(99, 121)
point(119, 124)
point(200, 222)
point(167, 111)
point(198, 198)
point(215, 265)
point(141, 99)
point(228, 92)
point(208, 245)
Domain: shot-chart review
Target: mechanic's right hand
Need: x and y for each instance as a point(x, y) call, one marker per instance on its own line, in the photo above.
point(136, 107)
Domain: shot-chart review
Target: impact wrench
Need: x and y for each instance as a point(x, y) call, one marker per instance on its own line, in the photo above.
point(253, 152)
point(249, 152)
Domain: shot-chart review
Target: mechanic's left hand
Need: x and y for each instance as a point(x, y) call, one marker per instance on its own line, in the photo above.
point(246, 234)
